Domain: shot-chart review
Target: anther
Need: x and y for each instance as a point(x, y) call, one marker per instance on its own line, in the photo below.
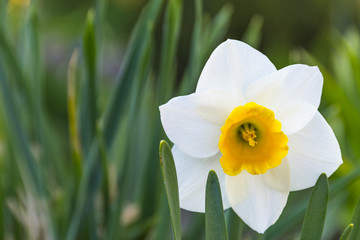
point(248, 134)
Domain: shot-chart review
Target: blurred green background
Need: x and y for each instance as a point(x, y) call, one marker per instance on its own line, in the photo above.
point(79, 140)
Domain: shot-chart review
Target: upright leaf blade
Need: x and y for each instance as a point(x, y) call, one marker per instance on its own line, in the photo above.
point(88, 95)
point(130, 66)
point(215, 227)
point(316, 212)
point(347, 232)
point(235, 226)
point(356, 220)
point(171, 30)
point(171, 186)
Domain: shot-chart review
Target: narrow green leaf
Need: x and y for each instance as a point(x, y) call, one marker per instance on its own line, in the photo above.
point(162, 228)
point(355, 235)
point(83, 194)
point(105, 174)
point(31, 176)
point(347, 232)
point(72, 116)
point(12, 65)
point(119, 96)
point(141, 75)
point(215, 227)
point(215, 32)
point(203, 43)
point(235, 226)
point(252, 35)
point(100, 25)
point(171, 30)
point(171, 186)
point(189, 78)
point(88, 96)
point(316, 212)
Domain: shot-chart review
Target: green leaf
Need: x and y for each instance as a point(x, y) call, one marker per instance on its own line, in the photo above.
point(316, 212)
point(203, 43)
point(252, 35)
point(235, 226)
point(142, 73)
point(12, 65)
point(215, 227)
point(171, 30)
point(356, 221)
point(84, 191)
point(171, 186)
point(189, 78)
point(88, 96)
point(215, 32)
point(129, 68)
point(347, 232)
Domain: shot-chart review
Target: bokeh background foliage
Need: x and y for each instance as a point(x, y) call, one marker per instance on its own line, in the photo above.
point(80, 86)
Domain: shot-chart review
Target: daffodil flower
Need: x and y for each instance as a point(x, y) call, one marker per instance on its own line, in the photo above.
point(257, 127)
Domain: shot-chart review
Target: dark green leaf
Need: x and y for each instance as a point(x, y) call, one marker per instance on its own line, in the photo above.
point(235, 225)
point(215, 227)
point(316, 212)
point(171, 187)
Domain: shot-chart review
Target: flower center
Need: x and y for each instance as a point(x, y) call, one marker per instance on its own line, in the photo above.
point(251, 139)
point(248, 133)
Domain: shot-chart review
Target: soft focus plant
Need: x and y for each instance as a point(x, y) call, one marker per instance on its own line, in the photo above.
point(79, 157)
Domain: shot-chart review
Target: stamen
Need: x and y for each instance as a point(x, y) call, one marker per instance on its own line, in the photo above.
point(248, 134)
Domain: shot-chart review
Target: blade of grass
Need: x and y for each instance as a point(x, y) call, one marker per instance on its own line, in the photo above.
point(189, 77)
point(235, 226)
point(83, 196)
point(120, 94)
point(171, 186)
point(88, 95)
point(355, 234)
point(316, 212)
point(252, 35)
point(72, 117)
point(203, 43)
point(171, 30)
point(17, 135)
point(31, 177)
point(100, 25)
point(347, 232)
point(215, 227)
point(215, 32)
point(12, 65)
point(105, 174)
point(162, 228)
point(143, 71)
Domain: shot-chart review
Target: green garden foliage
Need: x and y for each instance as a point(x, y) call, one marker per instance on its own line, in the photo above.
point(79, 146)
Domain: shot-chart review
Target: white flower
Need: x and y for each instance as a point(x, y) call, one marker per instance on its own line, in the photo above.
point(257, 127)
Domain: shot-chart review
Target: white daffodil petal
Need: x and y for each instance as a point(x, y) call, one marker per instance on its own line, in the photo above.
point(287, 92)
point(232, 66)
point(312, 151)
point(192, 176)
point(259, 199)
point(295, 116)
point(193, 122)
